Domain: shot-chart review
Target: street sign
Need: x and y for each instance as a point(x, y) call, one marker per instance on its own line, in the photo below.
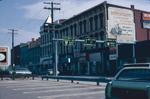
point(112, 57)
point(3, 56)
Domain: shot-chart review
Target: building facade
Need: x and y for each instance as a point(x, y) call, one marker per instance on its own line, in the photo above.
point(16, 56)
point(24, 58)
point(119, 27)
point(113, 24)
point(34, 54)
point(81, 59)
point(141, 46)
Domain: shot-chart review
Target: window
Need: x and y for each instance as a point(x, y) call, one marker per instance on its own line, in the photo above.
point(101, 17)
point(75, 29)
point(84, 26)
point(80, 27)
point(71, 30)
point(134, 74)
point(91, 24)
point(96, 22)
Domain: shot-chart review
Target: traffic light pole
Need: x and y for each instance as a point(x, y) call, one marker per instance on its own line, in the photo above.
point(56, 50)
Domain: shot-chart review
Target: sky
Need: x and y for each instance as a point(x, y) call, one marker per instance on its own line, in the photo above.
point(27, 16)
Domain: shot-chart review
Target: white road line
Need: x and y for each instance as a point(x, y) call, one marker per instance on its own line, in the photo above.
point(73, 94)
point(48, 87)
point(40, 87)
point(32, 85)
point(59, 90)
point(17, 84)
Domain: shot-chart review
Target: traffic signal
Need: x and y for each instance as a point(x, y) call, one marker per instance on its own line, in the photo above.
point(111, 42)
point(89, 41)
point(69, 41)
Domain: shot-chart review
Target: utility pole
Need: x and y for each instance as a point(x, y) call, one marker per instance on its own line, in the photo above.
point(52, 8)
point(12, 54)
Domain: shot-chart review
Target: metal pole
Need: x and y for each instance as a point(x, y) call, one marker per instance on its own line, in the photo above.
point(147, 34)
point(12, 54)
point(134, 59)
point(53, 33)
point(52, 13)
point(13, 65)
point(56, 56)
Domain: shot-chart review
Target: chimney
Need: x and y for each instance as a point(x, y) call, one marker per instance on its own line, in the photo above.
point(33, 39)
point(132, 7)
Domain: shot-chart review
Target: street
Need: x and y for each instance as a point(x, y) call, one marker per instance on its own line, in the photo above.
point(38, 89)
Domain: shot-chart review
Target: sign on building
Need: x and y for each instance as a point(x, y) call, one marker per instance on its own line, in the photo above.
point(146, 20)
point(121, 25)
point(113, 57)
point(3, 56)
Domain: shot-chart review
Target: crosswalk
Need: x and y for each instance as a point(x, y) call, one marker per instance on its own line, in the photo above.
point(38, 89)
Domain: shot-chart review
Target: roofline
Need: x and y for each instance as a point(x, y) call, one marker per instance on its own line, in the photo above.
point(107, 4)
point(84, 11)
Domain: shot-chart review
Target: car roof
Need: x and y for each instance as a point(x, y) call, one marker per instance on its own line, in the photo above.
point(137, 65)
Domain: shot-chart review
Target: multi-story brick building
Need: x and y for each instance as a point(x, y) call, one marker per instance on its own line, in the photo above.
point(84, 60)
point(106, 22)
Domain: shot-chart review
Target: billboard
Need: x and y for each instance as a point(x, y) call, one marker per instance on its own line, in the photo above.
point(121, 25)
point(146, 20)
point(4, 56)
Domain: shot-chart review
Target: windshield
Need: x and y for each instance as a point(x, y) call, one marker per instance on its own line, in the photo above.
point(135, 74)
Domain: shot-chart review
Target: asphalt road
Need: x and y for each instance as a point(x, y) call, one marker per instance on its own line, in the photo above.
point(51, 89)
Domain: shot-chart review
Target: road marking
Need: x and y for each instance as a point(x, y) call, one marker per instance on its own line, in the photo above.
point(67, 95)
point(59, 90)
point(41, 87)
point(48, 87)
point(31, 85)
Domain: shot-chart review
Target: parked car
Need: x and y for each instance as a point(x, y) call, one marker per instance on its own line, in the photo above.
point(21, 72)
point(130, 83)
point(51, 72)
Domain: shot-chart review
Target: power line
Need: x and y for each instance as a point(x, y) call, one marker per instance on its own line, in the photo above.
point(12, 33)
point(52, 8)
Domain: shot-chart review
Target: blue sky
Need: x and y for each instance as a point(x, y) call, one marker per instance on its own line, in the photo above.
point(28, 15)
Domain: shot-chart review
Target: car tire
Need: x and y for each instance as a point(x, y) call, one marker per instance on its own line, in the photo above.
point(106, 91)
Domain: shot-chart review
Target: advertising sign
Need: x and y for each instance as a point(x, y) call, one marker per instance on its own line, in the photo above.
point(3, 56)
point(146, 16)
point(146, 20)
point(121, 25)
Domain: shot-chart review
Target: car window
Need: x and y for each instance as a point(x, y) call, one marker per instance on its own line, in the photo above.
point(134, 74)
